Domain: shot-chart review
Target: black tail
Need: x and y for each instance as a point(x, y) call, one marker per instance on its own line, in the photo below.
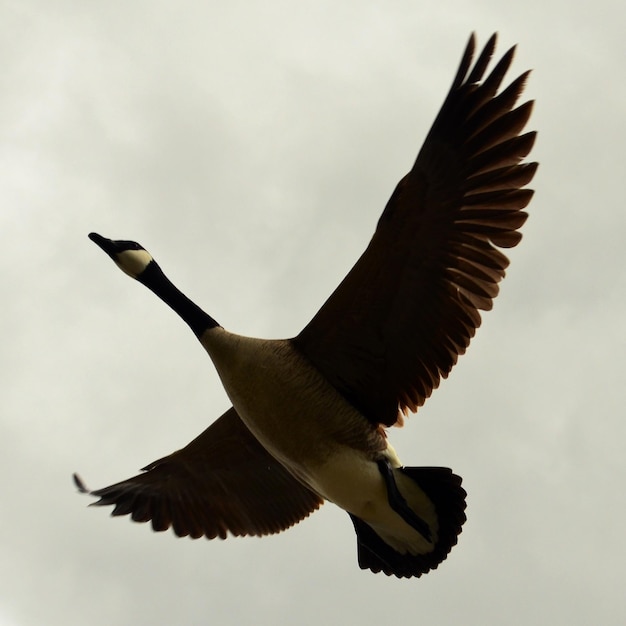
point(444, 489)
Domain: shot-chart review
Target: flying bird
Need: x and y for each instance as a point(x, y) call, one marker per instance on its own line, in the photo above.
point(309, 415)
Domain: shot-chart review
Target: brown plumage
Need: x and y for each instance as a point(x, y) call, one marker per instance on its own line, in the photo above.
point(409, 307)
point(309, 413)
point(223, 481)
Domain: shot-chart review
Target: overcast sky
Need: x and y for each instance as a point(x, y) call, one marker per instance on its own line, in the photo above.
point(251, 146)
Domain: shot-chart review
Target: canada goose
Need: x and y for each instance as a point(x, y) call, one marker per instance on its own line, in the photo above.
point(309, 413)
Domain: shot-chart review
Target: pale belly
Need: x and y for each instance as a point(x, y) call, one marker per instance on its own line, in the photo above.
point(312, 430)
point(355, 484)
point(297, 415)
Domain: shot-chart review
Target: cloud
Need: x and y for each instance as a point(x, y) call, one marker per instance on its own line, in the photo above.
point(251, 148)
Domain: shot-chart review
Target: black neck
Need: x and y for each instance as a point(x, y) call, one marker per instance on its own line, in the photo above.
point(154, 278)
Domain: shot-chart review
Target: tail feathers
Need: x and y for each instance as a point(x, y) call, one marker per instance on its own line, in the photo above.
point(445, 491)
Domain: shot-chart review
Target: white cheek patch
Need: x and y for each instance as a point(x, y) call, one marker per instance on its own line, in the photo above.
point(133, 262)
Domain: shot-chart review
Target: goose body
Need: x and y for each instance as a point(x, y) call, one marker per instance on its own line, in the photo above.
point(305, 424)
point(309, 413)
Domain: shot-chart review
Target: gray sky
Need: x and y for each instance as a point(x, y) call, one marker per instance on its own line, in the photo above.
point(251, 146)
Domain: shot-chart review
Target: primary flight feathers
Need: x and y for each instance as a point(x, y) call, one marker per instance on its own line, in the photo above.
point(412, 299)
point(309, 413)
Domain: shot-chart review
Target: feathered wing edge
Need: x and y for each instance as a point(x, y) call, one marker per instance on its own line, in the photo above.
point(222, 482)
point(409, 307)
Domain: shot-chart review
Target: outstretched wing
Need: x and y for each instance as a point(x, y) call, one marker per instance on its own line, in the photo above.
point(223, 481)
point(409, 307)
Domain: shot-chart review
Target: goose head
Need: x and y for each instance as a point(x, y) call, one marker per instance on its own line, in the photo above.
point(132, 258)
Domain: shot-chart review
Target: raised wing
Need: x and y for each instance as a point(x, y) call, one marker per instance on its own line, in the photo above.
point(223, 481)
point(409, 307)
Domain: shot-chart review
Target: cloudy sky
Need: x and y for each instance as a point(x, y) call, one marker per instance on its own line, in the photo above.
point(251, 146)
